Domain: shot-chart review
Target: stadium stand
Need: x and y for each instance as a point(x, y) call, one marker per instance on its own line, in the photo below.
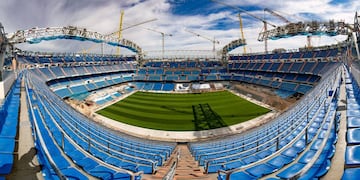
point(9, 114)
point(71, 132)
point(297, 144)
point(267, 149)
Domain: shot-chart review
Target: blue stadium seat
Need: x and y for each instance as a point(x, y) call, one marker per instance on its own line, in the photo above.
point(352, 155)
point(351, 174)
point(6, 162)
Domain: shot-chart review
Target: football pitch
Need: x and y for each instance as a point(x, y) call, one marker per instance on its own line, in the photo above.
point(183, 112)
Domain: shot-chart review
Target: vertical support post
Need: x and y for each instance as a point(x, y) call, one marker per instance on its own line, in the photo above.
point(89, 145)
point(62, 140)
point(163, 46)
point(306, 136)
point(265, 40)
point(335, 123)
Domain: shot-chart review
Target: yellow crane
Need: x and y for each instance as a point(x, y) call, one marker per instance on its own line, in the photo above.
point(118, 34)
point(249, 14)
point(120, 30)
point(131, 26)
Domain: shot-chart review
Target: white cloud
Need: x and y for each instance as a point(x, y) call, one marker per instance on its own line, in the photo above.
point(103, 17)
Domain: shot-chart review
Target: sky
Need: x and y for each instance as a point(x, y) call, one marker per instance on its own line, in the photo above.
point(173, 17)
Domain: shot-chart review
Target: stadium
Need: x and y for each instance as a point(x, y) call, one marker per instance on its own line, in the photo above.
point(81, 102)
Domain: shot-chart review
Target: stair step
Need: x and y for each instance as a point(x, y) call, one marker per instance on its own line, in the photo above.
point(187, 167)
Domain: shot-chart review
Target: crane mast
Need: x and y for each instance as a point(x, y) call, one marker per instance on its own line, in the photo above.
point(256, 17)
point(120, 29)
point(163, 39)
point(308, 37)
point(214, 41)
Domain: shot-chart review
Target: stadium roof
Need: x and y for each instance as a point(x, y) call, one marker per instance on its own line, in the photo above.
point(173, 16)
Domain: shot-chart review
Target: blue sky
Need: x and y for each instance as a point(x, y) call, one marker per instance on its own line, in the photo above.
point(174, 17)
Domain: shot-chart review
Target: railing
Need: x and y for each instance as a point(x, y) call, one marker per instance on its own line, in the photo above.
point(307, 167)
point(171, 173)
point(37, 135)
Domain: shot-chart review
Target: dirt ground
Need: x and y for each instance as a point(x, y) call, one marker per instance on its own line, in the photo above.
point(265, 95)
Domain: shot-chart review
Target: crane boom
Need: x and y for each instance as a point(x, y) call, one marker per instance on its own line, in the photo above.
point(133, 25)
point(163, 39)
point(162, 33)
point(211, 40)
point(277, 15)
point(244, 11)
point(256, 17)
point(196, 34)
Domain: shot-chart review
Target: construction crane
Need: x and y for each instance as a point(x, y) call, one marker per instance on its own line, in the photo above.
point(119, 33)
point(211, 40)
point(277, 15)
point(308, 38)
point(214, 41)
point(133, 25)
point(256, 17)
point(163, 39)
point(120, 30)
point(283, 19)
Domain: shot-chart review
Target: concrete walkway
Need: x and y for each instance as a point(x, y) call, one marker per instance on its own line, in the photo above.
point(26, 165)
point(337, 162)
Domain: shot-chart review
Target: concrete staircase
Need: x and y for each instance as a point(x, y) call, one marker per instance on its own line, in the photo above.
point(186, 169)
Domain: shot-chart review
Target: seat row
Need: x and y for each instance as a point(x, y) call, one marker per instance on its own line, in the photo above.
point(306, 67)
point(313, 54)
point(352, 153)
point(71, 58)
point(58, 72)
point(9, 114)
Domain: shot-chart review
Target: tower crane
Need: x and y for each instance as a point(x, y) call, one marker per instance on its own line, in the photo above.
point(214, 41)
point(120, 29)
point(163, 39)
point(277, 15)
point(119, 33)
point(288, 22)
point(256, 17)
point(133, 25)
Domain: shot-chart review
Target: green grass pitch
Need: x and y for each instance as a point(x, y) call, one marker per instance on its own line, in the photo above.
point(183, 112)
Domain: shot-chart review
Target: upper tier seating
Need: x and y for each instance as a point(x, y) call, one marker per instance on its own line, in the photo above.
point(314, 54)
point(38, 59)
